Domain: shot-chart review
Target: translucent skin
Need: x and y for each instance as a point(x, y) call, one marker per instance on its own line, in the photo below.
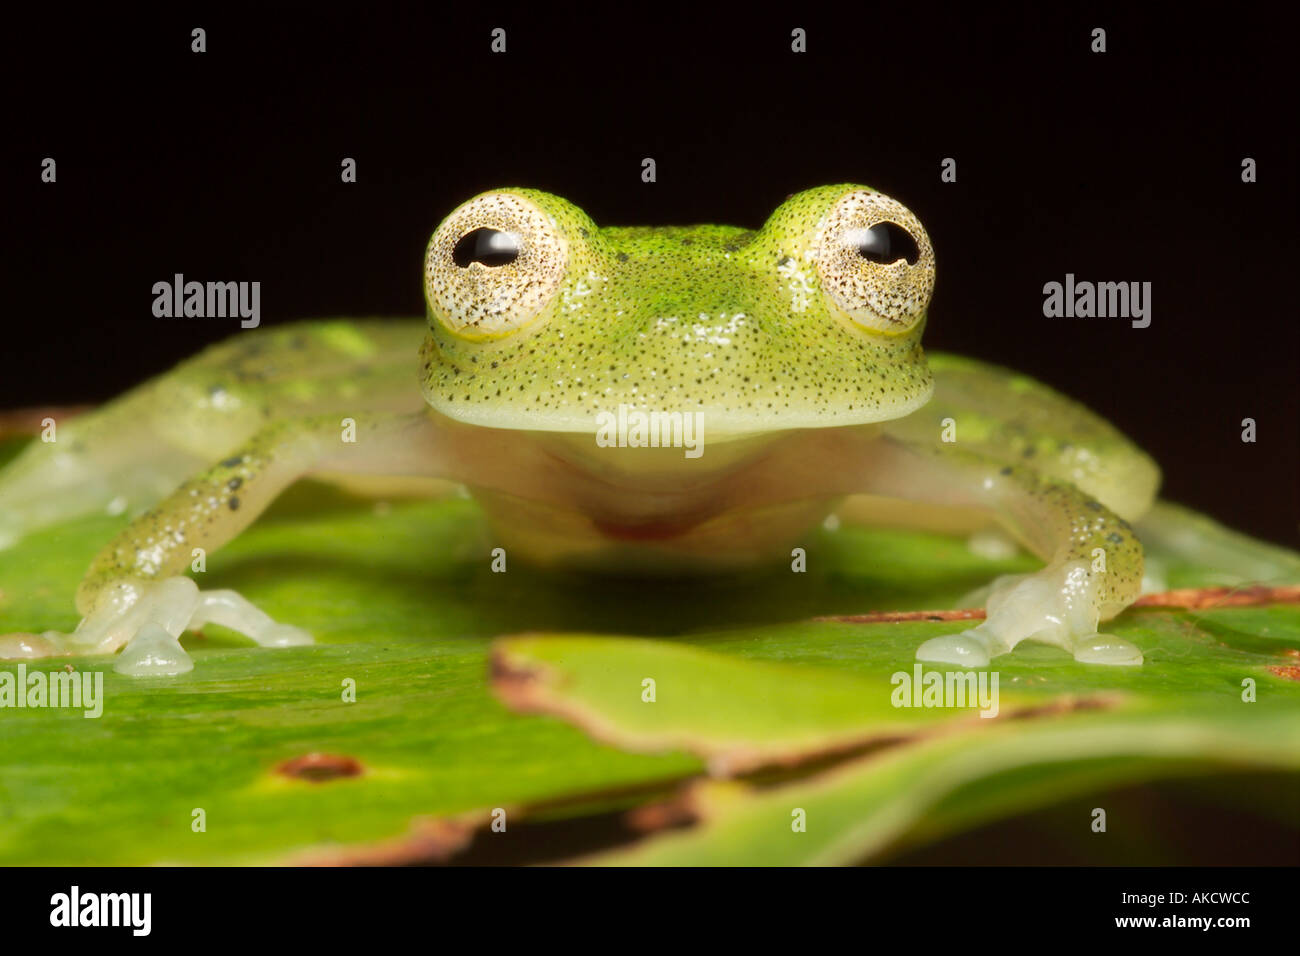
point(800, 357)
point(710, 319)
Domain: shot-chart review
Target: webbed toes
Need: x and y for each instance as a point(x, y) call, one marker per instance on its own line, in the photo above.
point(1105, 649)
point(27, 647)
point(967, 649)
point(153, 653)
point(146, 620)
point(1058, 606)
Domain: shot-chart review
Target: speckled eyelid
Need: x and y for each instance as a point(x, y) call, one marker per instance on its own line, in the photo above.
point(477, 300)
point(884, 297)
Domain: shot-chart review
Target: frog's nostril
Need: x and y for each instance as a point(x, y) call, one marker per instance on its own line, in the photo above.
point(491, 247)
point(886, 242)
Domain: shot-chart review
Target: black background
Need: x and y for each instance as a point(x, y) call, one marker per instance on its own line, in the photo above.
point(1123, 166)
point(351, 907)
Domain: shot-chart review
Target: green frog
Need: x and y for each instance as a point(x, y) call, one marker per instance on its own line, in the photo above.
point(643, 399)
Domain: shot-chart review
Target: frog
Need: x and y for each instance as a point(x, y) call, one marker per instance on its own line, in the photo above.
point(792, 351)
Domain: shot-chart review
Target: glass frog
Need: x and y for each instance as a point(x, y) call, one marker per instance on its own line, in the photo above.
point(791, 354)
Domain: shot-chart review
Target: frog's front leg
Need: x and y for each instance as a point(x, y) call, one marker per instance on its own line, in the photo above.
point(1094, 560)
point(133, 594)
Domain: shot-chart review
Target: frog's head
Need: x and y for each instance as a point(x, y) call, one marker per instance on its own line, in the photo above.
point(540, 320)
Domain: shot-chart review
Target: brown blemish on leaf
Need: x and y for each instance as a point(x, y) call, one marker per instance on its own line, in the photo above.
point(753, 764)
point(1065, 704)
point(429, 840)
point(680, 811)
point(894, 617)
point(651, 790)
point(1285, 671)
point(318, 768)
point(1186, 598)
point(518, 687)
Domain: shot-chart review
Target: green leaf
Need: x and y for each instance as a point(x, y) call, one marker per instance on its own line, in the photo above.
point(655, 696)
point(858, 809)
point(403, 602)
point(393, 600)
point(1064, 728)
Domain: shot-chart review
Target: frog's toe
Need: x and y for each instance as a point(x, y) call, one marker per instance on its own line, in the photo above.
point(1106, 649)
point(155, 650)
point(231, 609)
point(285, 635)
point(146, 620)
point(1055, 606)
point(967, 649)
point(153, 653)
point(26, 647)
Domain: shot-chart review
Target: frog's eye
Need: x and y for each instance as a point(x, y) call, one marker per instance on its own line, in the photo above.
point(493, 265)
point(875, 261)
point(885, 242)
point(491, 247)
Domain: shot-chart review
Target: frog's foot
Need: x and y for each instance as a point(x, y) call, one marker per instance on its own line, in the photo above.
point(975, 648)
point(146, 621)
point(1054, 606)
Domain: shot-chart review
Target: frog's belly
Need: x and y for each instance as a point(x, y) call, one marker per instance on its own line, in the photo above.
point(551, 536)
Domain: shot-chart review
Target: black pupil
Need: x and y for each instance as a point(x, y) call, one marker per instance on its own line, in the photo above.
point(887, 242)
point(492, 247)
